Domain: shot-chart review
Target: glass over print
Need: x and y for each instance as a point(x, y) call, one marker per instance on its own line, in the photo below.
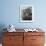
point(26, 13)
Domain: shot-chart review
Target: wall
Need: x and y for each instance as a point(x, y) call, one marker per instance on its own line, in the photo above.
point(10, 13)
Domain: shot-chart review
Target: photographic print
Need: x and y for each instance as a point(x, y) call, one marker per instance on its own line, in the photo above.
point(26, 13)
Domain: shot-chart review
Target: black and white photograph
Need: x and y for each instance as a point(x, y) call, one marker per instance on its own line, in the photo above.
point(26, 13)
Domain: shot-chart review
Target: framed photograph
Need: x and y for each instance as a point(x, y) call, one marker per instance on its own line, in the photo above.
point(26, 13)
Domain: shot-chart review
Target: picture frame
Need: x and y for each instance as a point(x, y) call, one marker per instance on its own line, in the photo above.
point(26, 13)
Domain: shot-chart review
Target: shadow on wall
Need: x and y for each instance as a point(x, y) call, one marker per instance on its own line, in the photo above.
point(2, 26)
